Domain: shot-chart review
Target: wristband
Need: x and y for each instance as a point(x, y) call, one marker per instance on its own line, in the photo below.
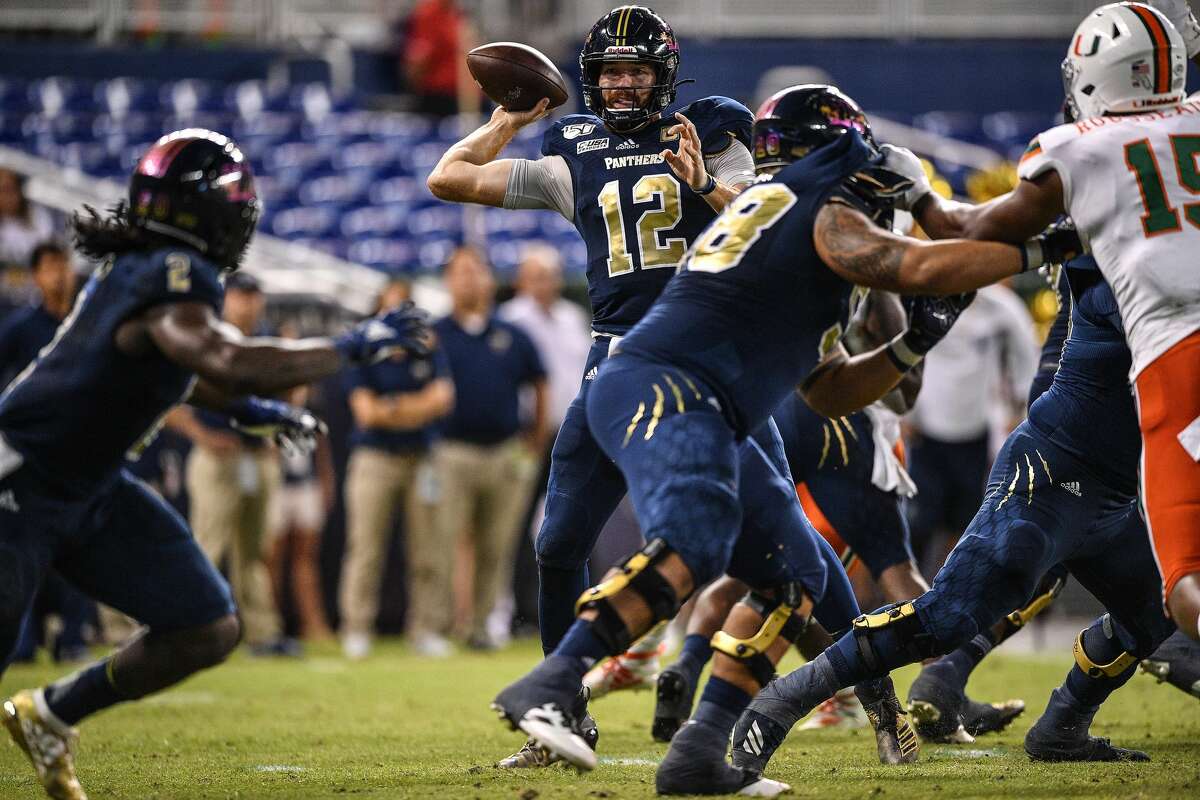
point(902, 356)
point(1032, 256)
point(708, 188)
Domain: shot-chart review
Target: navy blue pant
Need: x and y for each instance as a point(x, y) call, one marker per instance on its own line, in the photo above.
point(121, 545)
point(1043, 507)
point(724, 506)
point(834, 459)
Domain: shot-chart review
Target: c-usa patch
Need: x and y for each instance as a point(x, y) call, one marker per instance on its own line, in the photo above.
point(590, 145)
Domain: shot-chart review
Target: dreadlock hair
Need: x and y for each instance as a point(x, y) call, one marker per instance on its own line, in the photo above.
point(116, 232)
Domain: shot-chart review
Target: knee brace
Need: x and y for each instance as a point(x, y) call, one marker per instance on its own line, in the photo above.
point(785, 617)
point(1119, 659)
point(638, 575)
point(1044, 595)
point(901, 621)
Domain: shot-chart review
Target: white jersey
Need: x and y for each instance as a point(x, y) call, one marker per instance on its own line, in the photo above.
point(1132, 185)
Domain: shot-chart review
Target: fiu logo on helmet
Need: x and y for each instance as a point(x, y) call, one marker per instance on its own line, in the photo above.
point(577, 130)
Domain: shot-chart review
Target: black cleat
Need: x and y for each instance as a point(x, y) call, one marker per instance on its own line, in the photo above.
point(674, 695)
point(981, 718)
point(936, 708)
point(695, 764)
point(1177, 662)
point(1042, 746)
point(543, 704)
point(895, 739)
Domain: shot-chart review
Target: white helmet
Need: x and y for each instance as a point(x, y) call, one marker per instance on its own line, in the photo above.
point(1124, 57)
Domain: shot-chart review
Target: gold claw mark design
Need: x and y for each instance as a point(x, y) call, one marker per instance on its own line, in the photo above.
point(837, 429)
point(1012, 487)
point(1030, 466)
point(675, 391)
point(633, 423)
point(825, 449)
point(656, 415)
point(850, 429)
point(690, 385)
point(1045, 466)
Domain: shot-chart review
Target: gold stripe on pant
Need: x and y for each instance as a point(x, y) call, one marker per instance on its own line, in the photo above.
point(230, 498)
point(378, 483)
point(484, 493)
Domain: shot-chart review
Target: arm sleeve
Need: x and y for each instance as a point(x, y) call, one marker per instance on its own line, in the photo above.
point(733, 166)
point(544, 183)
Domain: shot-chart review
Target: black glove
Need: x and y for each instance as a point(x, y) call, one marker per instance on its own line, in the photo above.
point(1057, 244)
point(405, 328)
point(929, 320)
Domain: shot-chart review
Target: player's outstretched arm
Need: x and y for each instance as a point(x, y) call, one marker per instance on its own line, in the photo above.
point(469, 171)
point(1014, 217)
point(879, 320)
point(191, 335)
point(864, 254)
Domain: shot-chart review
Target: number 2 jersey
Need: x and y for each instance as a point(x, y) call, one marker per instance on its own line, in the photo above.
point(76, 411)
point(1131, 183)
point(636, 217)
point(753, 308)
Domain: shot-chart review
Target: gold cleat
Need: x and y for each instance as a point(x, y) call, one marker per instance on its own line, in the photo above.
point(895, 738)
point(50, 749)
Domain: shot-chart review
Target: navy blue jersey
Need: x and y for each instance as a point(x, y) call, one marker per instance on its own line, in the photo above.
point(635, 216)
point(753, 308)
point(23, 336)
point(1088, 409)
point(396, 375)
point(77, 411)
point(1055, 338)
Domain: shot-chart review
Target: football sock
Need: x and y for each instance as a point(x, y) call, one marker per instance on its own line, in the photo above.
point(82, 693)
point(695, 654)
point(558, 589)
point(957, 667)
point(582, 645)
point(721, 704)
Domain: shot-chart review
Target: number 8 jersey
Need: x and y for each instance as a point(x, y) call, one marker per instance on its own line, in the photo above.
point(1132, 185)
point(635, 215)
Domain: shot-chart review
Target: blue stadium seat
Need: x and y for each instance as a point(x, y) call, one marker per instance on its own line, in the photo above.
point(211, 120)
point(338, 190)
point(14, 95)
point(12, 128)
point(57, 129)
point(123, 96)
point(316, 222)
point(188, 97)
point(388, 254)
point(116, 133)
point(60, 95)
point(384, 158)
point(442, 218)
point(316, 101)
point(395, 190)
point(248, 99)
point(276, 125)
point(409, 128)
point(962, 125)
point(434, 249)
point(376, 221)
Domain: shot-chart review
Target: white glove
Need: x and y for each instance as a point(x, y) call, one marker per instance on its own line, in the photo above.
point(901, 160)
point(1180, 15)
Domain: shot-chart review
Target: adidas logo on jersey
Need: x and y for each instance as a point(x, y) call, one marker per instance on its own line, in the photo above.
point(591, 375)
point(1072, 487)
point(8, 501)
point(628, 144)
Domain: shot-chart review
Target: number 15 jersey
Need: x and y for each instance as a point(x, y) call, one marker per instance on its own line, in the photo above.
point(1132, 185)
point(637, 218)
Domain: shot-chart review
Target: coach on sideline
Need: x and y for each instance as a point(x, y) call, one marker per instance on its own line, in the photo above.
point(486, 463)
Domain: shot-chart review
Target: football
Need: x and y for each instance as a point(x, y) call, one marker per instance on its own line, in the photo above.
point(516, 75)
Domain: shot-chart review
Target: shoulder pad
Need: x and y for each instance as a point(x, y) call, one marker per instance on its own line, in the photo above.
point(559, 137)
point(172, 275)
point(718, 120)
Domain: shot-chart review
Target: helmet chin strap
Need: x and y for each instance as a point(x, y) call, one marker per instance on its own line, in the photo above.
point(176, 233)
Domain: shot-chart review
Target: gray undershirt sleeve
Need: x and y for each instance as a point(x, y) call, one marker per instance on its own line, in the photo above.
point(544, 183)
point(732, 166)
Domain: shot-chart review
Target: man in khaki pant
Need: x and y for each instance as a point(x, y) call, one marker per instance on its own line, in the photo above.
point(486, 464)
point(395, 404)
point(230, 481)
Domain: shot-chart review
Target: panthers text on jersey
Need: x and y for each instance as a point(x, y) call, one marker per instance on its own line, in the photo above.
point(636, 217)
point(1130, 184)
point(753, 308)
point(74, 413)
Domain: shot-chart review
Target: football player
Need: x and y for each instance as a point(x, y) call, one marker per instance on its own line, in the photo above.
point(1124, 169)
point(144, 335)
point(640, 179)
point(757, 307)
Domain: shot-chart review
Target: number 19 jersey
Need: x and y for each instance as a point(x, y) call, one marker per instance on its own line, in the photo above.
point(1132, 185)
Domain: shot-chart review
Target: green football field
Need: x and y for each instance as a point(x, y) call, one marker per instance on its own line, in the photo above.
point(396, 726)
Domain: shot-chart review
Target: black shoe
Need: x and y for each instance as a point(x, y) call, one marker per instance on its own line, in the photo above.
point(981, 718)
point(674, 695)
point(936, 708)
point(542, 704)
point(1044, 745)
point(1177, 662)
point(895, 740)
point(695, 764)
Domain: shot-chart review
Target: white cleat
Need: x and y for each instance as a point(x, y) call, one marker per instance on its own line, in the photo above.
point(843, 711)
point(628, 671)
point(547, 726)
point(765, 787)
